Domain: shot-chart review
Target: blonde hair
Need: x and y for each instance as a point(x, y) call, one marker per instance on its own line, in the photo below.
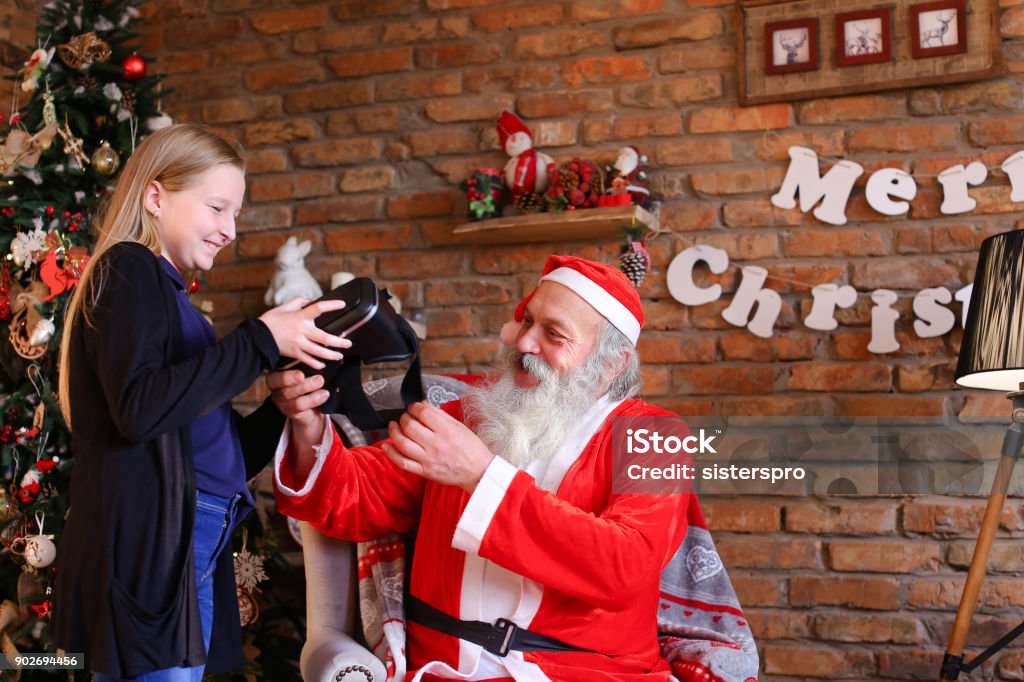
point(174, 157)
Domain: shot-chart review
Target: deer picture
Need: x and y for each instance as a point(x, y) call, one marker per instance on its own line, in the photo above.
point(866, 42)
point(936, 37)
point(792, 48)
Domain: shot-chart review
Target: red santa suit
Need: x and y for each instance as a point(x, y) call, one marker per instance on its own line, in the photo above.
point(590, 560)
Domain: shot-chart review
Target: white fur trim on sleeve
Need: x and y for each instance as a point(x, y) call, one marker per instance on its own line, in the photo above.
point(603, 302)
point(321, 454)
point(482, 506)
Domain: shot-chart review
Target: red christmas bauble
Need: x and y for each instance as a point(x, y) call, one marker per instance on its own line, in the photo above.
point(134, 67)
point(193, 286)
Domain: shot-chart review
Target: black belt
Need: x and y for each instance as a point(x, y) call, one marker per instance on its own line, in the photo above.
point(498, 638)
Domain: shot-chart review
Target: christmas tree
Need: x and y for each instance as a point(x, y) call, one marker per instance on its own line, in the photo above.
point(85, 101)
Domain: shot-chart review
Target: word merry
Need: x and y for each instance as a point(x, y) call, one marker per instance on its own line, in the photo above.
point(888, 190)
point(933, 318)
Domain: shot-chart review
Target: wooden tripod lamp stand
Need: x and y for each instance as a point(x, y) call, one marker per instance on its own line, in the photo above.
point(992, 357)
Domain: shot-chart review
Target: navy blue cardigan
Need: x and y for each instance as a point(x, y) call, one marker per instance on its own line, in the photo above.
point(125, 586)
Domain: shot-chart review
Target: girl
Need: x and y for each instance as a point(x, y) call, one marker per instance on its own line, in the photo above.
point(161, 460)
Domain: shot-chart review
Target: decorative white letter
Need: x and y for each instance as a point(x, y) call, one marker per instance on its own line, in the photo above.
point(887, 182)
point(933, 319)
point(883, 322)
point(964, 296)
point(680, 274)
point(1015, 170)
point(835, 186)
point(769, 303)
point(954, 181)
point(827, 297)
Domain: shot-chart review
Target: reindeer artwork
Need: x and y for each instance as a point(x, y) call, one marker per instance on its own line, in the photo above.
point(867, 41)
point(936, 37)
point(792, 47)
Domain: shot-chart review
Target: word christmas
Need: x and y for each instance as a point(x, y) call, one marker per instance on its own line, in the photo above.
point(833, 189)
point(933, 318)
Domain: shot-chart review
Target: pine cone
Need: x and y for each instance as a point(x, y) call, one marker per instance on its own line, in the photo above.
point(569, 180)
point(88, 83)
point(634, 266)
point(128, 100)
point(529, 203)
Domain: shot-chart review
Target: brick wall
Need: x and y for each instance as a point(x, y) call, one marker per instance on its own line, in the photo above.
point(18, 20)
point(362, 116)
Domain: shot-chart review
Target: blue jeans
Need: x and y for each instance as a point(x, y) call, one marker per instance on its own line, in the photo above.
point(215, 519)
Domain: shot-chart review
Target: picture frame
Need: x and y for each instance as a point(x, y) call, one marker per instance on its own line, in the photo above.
point(905, 60)
point(863, 37)
point(938, 28)
point(791, 46)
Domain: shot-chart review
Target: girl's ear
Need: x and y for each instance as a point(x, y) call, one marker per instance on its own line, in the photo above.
point(152, 198)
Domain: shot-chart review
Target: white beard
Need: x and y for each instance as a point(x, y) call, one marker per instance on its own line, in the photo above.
point(526, 424)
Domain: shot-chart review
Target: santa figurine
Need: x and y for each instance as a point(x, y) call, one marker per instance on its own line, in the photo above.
point(629, 166)
point(527, 171)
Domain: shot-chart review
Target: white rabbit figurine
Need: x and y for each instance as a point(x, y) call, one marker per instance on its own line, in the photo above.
point(292, 278)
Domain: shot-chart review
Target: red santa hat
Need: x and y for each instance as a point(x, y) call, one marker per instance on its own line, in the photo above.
point(509, 124)
point(604, 287)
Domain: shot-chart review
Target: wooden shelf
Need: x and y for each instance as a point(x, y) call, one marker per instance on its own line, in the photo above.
point(589, 223)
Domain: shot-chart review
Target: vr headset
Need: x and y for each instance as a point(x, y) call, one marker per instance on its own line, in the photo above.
point(378, 334)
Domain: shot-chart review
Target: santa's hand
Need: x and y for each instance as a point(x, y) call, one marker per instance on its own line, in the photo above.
point(431, 443)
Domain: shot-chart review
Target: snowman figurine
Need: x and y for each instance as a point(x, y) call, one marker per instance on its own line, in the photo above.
point(527, 170)
point(629, 167)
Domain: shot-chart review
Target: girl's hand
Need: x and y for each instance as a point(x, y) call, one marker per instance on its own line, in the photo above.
point(293, 325)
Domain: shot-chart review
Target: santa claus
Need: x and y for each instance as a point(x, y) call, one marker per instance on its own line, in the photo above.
point(510, 492)
point(527, 171)
point(629, 167)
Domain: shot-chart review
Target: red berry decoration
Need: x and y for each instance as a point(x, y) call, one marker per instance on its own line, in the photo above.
point(193, 286)
point(134, 67)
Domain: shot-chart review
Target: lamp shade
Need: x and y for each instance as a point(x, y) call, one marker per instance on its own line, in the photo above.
point(992, 351)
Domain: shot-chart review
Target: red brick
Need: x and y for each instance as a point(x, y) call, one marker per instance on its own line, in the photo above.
point(693, 151)
point(858, 108)
point(776, 147)
point(739, 181)
point(509, 77)
point(289, 20)
point(266, 218)
point(338, 209)
point(947, 517)
point(364, 120)
point(775, 406)
point(457, 56)
point(906, 664)
point(181, 62)
point(458, 4)
point(656, 381)
point(605, 69)
point(358, 238)
point(904, 273)
point(724, 380)
point(973, 97)
point(863, 593)
point(1011, 25)
point(742, 345)
point(647, 125)
point(281, 74)
point(696, 58)
point(775, 624)
point(421, 265)
point(740, 516)
point(660, 349)
point(295, 186)
point(199, 88)
point(240, 109)
point(468, 291)
point(450, 109)
point(741, 247)
point(417, 86)
point(265, 245)
point(691, 28)
point(686, 407)
point(840, 377)
point(862, 628)
point(548, 134)
point(163, 11)
point(585, 11)
point(864, 556)
point(831, 242)
point(206, 32)
point(448, 322)
point(561, 102)
point(421, 30)
point(241, 276)
point(860, 517)
point(421, 205)
point(738, 119)
point(248, 52)
point(278, 132)
point(327, 97)
point(945, 594)
point(907, 138)
point(985, 405)
point(368, 63)
point(367, 179)
point(361, 9)
point(337, 152)
point(557, 43)
point(755, 551)
point(925, 377)
point(336, 39)
point(755, 591)
point(689, 216)
point(265, 161)
point(891, 405)
point(503, 19)
point(673, 93)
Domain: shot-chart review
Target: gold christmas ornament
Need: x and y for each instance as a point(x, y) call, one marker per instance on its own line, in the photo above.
point(38, 417)
point(42, 332)
point(248, 609)
point(19, 336)
point(83, 50)
point(73, 145)
point(105, 159)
